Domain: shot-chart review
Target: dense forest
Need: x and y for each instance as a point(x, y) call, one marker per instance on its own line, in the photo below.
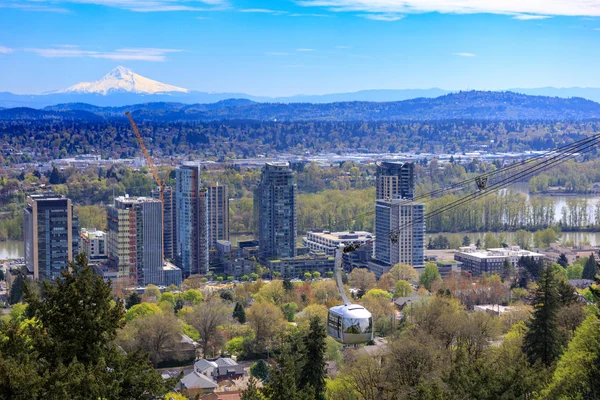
point(44, 140)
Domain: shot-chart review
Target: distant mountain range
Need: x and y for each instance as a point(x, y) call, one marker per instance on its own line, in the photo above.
point(463, 105)
point(121, 87)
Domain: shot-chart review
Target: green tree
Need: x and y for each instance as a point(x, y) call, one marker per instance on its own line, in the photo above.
point(252, 392)
point(590, 269)
point(508, 271)
point(578, 371)
point(575, 271)
point(563, 261)
point(16, 289)
point(68, 349)
point(403, 289)
point(142, 310)
point(260, 370)
point(289, 311)
point(313, 367)
point(542, 341)
point(430, 274)
point(466, 240)
point(239, 313)
point(132, 300)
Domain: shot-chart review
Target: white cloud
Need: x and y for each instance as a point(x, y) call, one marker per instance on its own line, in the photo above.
point(527, 17)
point(262, 11)
point(310, 15)
point(580, 8)
point(305, 50)
point(277, 53)
point(388, 17)
point(5, 50)
point(343, 47)
point(129, 54)
point(32, 7)
point(131, 5)
point(464, 54)
point(597, 29)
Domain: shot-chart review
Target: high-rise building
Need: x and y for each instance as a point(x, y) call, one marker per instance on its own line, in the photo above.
point(275, 211)
point(218, 213)
point(395, 180)
point(169, 217)
point(191, 209)
point(50, 233)
point(135, 239)
point(400, 233)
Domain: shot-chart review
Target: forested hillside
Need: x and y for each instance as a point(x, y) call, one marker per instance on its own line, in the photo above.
point(49, 139)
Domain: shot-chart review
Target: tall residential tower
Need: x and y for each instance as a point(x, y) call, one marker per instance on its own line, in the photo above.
point(191, 222)
point(51, 235)
point(395, 180)
point(275, 211)
point(135, 239)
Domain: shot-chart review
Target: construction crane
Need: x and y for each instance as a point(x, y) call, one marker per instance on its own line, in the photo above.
point(160, 182)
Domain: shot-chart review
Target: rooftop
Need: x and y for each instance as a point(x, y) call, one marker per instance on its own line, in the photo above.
point(511, 251)
point(347, 235)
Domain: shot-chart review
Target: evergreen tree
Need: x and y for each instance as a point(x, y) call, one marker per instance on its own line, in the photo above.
point(590, 269)
point(133, 299)
point(56, 177)
point(282, 378)
point(508, 271)
point(252, 392)
point(313, 367)
point(543, 342)
point(16, 289)
point(239, 313)
point(478, 243)
point(466, 241)
point(260, 370)
point(563, 261)
point(287, 284)
point(68, 351)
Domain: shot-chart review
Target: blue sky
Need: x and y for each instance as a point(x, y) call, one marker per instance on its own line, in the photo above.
point(288, 47)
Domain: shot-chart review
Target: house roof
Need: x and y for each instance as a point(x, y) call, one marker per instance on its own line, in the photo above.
point(222, 396)
point(203, 365)
point(194, 380)
point(225, 362)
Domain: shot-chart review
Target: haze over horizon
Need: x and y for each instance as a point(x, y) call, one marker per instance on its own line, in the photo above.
point(292, 47)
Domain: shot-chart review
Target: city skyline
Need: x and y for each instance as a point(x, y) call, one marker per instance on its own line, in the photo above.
point(286, 48)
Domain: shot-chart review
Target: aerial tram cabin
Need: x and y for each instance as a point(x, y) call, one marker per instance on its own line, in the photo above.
point(349, 324)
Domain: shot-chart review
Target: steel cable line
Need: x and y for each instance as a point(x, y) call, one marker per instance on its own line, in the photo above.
point(504, 170)
point(562, 155)
point(501, 184)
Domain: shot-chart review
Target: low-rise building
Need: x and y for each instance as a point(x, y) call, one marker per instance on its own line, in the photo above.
point(171, 275)
point(448, 267)
point(92, 242)
point(327, 242)
point(490, 261)
point(298, 266)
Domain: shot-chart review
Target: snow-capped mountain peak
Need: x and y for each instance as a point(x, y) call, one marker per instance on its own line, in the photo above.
point(122, 79)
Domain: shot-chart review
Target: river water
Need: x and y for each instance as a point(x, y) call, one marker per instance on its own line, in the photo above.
point(11, 249)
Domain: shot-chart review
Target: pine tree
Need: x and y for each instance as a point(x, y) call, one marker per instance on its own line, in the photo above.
point(133, 299)
point(543, 342)
point(282, 378)
point(16, 289)
point(563, 261)
point(508, 271)
point(313, 367)
point(590, 269)
point(239, 313)
point(69, 352)
point(252, 392)
point(260, 370)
